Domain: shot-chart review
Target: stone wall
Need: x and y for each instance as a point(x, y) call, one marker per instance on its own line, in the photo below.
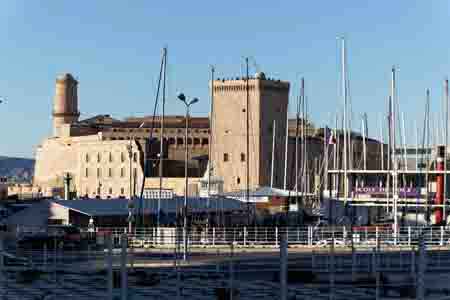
point(175, 184)
point(267, 102)
point(97, 167)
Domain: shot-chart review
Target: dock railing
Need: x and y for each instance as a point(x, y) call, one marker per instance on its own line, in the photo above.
point(268, 237)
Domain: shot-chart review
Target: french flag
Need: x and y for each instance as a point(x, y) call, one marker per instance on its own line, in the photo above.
point(329, 136)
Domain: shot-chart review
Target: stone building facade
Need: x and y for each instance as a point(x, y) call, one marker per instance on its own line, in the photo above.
point(267, 103)
point(95, 152)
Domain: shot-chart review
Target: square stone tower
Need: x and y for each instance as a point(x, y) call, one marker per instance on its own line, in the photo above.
point(268, 101)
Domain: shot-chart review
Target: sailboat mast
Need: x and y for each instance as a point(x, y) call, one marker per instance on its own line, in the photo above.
point(161, 150)
point(417, 168)
point(344, 94)
point(302, 147)
point(247, 109)
point(381, 144)
point(307, 181)
point(445, 152)
point(148, 159)
point(364, 143)
point(393, 145)
point(296, 140)
point(427, 128)
point(336, 148)
point(273, 153)
point(210, 142)
point(405, 161)
point(286, 149)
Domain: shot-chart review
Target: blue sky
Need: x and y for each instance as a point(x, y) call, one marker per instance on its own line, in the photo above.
point(114, 48)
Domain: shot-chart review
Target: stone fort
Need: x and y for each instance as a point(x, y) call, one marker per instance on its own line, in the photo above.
point(106, 157)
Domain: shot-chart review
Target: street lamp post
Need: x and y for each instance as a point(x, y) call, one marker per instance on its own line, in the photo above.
point(187, 103)
point(130, 156)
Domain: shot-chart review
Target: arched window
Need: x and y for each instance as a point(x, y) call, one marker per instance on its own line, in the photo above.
point(242, 157)
point(122, 157)
point(110, 157)
point(109, 172)
point(135, 156)
point(86, 173)
point(99, 172)
point(122, 172)
point(87, 157)
point(99, 157)
point(110, 191)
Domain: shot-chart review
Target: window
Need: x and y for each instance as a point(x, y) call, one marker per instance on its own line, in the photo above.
point(110, 191)
point(196, 141)
point(134, 173)
point(87, 191)
point(87, 157)
point(205, 141)
point(98, 191)
point(86, 172)
point(122, 157)
point(109, 172)
point(122, 191)
point(238, 180)
point(171, 141)
point(122, 172)
point(110, 157)
point(135, 156)
point(242, 157)
point(99, 158)
point(225, 157)
point(189, 141)
point(99, 172)
point(180, 141)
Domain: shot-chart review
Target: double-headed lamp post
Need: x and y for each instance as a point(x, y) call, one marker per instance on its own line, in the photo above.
point(130, 200)
point(188, 104)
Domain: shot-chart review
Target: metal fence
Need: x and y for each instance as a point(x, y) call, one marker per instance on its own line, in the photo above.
point(228, 272)
point(269, 236)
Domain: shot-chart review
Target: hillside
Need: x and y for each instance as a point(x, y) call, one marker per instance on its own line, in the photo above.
point(20, 169)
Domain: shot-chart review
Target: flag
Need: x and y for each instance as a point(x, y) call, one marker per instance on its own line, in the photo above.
point(329, 136)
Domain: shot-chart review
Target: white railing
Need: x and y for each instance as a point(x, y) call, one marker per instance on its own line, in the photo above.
point(269, 236)
point(296, 236)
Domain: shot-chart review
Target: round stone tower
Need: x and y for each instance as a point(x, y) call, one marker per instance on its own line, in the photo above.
point(65, 104)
